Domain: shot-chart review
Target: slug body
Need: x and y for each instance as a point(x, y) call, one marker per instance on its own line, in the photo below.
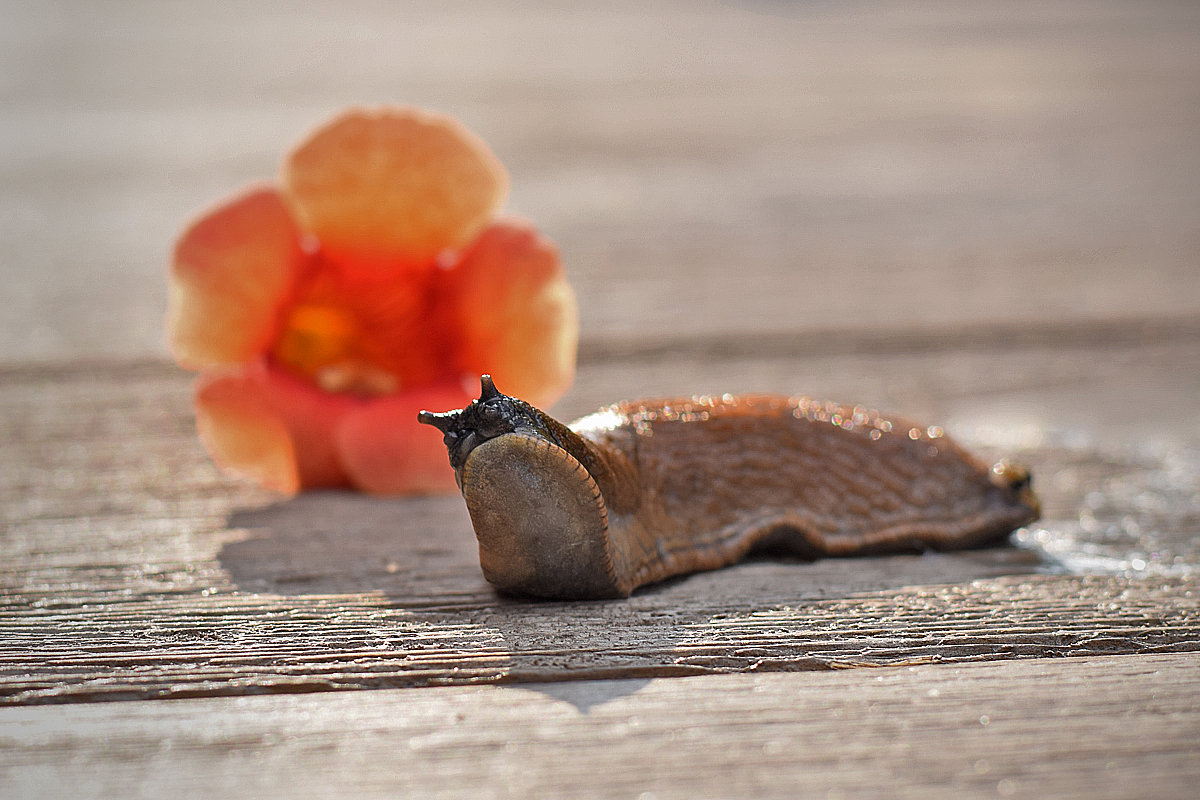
point(642, 491)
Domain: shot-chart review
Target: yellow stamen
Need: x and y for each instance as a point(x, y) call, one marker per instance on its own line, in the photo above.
point(322, 342)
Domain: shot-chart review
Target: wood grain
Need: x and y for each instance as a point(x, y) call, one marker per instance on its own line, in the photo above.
point(135, 570)
point(1097, 727)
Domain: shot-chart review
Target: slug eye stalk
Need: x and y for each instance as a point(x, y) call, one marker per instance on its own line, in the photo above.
point(493, 414)
point(646, 490)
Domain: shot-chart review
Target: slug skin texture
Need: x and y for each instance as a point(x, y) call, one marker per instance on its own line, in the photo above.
point(645, 490)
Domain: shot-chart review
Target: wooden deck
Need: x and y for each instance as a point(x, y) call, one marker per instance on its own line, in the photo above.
point(986, 219)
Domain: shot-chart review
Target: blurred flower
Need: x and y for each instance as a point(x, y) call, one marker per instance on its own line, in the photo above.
point(374, 281)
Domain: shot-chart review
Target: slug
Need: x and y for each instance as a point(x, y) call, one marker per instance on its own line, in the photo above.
point(646, 490)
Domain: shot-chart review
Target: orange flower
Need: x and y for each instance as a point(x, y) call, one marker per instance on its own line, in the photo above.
point(374, 281)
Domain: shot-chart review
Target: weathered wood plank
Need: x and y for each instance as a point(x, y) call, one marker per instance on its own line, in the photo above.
point(220, 645)
point(134, 569)
point(1111, 727)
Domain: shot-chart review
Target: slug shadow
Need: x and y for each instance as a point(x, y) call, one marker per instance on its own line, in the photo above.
point(419, 557)
point(416, 550)
point(775, 579)
point(586, 695)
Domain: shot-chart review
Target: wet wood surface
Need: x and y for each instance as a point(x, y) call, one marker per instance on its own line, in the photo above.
point(982, 219)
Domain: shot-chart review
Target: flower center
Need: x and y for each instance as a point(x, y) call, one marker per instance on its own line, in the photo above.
point(320, 342)
point(364, 336)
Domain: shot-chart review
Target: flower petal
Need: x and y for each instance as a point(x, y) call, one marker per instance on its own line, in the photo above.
point(272, 428)
point(386, 451)
point(519, 318)
point(393, 187)
point(231, 272)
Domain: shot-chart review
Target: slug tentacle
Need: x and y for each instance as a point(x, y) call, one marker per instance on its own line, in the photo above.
point(642, 491)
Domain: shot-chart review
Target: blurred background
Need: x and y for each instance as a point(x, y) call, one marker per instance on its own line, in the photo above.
point(984, 215)
point(708, 169)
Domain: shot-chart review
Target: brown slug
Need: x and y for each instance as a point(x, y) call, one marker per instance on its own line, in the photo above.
point(646, 490)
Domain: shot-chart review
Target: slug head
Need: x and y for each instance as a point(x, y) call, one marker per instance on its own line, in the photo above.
point(493, 414)
point(537, 511)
